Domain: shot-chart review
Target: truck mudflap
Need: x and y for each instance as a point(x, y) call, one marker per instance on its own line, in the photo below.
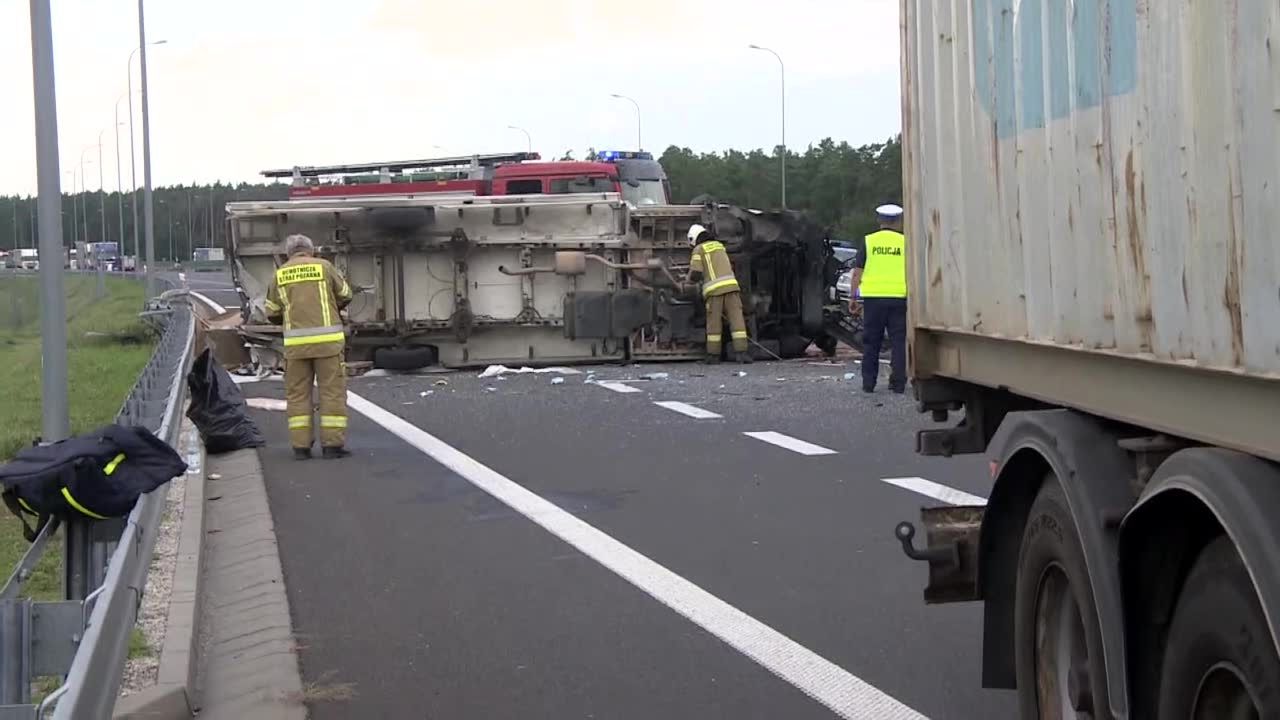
point(951, 550)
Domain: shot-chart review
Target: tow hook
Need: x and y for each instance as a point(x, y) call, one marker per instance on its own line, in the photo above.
point(906, 533)
point(950, 550)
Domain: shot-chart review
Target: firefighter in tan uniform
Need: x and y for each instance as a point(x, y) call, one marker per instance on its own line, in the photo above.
point(308, 292)
point(720, 291)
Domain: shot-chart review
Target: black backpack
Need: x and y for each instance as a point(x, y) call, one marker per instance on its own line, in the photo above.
point(98, 475)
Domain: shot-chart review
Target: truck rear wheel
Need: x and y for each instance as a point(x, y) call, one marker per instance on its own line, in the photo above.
point(1058, 641)
point(1220, 662)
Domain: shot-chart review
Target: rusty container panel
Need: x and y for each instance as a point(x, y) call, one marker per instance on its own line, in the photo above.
point(1102, 175)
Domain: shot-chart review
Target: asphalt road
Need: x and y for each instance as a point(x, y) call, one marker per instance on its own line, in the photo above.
point(217, 286)
point(428, 597)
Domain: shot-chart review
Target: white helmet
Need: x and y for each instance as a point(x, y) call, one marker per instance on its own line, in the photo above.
point(695, 231)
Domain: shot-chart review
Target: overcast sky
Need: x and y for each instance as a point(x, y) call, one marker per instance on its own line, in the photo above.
point(244, 85)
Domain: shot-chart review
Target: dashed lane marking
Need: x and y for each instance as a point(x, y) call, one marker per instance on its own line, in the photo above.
point(948, 495)
point(618, 387)
point(844, 693)
point(692, 411)
point(790, 443)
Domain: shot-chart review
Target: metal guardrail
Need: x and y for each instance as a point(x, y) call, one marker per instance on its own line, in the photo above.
point(85, 637)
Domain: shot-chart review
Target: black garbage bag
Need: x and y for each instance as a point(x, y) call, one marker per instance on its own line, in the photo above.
point(218, 408)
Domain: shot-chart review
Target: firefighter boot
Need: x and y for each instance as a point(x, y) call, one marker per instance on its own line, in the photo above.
point(336, 453)
point(302, 453)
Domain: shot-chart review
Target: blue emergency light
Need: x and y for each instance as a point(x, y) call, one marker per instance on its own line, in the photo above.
point(612, 155)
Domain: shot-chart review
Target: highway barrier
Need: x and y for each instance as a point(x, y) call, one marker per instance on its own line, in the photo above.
point(84, 638)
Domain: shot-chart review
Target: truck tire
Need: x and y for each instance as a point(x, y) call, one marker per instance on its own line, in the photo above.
point(1220, 660)
point(791, 347)
point(404, 358)
point(1058, 642)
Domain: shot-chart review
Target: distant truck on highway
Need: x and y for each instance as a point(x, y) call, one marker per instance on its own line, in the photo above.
point(1091, 193)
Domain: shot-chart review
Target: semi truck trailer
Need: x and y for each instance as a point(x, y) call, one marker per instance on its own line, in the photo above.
point(1093, 195)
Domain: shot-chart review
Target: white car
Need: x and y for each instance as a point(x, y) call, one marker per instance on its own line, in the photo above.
point(846, 256)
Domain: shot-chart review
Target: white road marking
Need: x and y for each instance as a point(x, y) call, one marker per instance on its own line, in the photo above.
point(692, 411)
point(217, 308)
point(617, 387)
point(790, 443)
point(846, 694)
point(948, 495)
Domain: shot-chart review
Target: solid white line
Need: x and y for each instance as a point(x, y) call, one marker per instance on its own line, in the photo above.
point(692, 411)
point(847, 695)
point(617, 387)
point(948, 495)
point(790, 443)
point(216, 307)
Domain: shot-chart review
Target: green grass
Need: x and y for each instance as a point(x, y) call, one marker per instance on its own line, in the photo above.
point(107, 346)
point(138, 646)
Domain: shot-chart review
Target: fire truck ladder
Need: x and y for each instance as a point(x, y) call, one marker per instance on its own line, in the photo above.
point(385, 169)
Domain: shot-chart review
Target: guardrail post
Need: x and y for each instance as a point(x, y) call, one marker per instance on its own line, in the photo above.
point(76, 576)
point(15, 648)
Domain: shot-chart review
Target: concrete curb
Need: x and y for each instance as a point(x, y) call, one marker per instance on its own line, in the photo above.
point(175, 695)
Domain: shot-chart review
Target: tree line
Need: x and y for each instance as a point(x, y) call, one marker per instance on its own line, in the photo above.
point(185, 217)
point(838, 185)
point(835, 183)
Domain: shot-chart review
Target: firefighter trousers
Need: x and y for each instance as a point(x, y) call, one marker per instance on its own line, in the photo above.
point(720, 308)
point(329, 374)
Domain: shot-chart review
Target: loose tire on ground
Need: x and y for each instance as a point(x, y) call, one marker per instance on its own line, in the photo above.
point(404, 358)
point(1220, 662)
point(1058, 642)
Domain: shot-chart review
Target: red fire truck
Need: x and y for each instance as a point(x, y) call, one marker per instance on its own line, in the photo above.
point(636, 176)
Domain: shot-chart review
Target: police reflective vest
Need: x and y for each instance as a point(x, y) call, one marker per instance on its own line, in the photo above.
point(885, 274)
point(308, 292)
point(712, 260)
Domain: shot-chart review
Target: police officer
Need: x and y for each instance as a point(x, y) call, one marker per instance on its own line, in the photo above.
point(309, 292)
point(721, 292)
point(880, 277)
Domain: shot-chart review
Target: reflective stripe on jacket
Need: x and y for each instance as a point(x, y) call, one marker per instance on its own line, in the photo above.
point(308, 292)
point(885, 275)
point(712, 260)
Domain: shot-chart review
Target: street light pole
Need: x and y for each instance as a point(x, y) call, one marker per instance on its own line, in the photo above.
point(782, 69)
point(102, 191)
point(148, 210)
point(55, 423)
point(528, 139)
point(639, 144)
point(119, 183)
point(84, 190)
point(75, 209)
point(133, 154)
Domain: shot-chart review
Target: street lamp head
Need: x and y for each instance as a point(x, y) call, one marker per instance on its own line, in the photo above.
point(754, 46)
point(160, 42)
point(617, 96)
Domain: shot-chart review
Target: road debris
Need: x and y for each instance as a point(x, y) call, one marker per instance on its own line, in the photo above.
point(557, 381)
point(498, 370)
point(491, 389)
point(442, 381)
point(655, 376)
point(425, 393)
point(741, 373)
point(849, 376)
